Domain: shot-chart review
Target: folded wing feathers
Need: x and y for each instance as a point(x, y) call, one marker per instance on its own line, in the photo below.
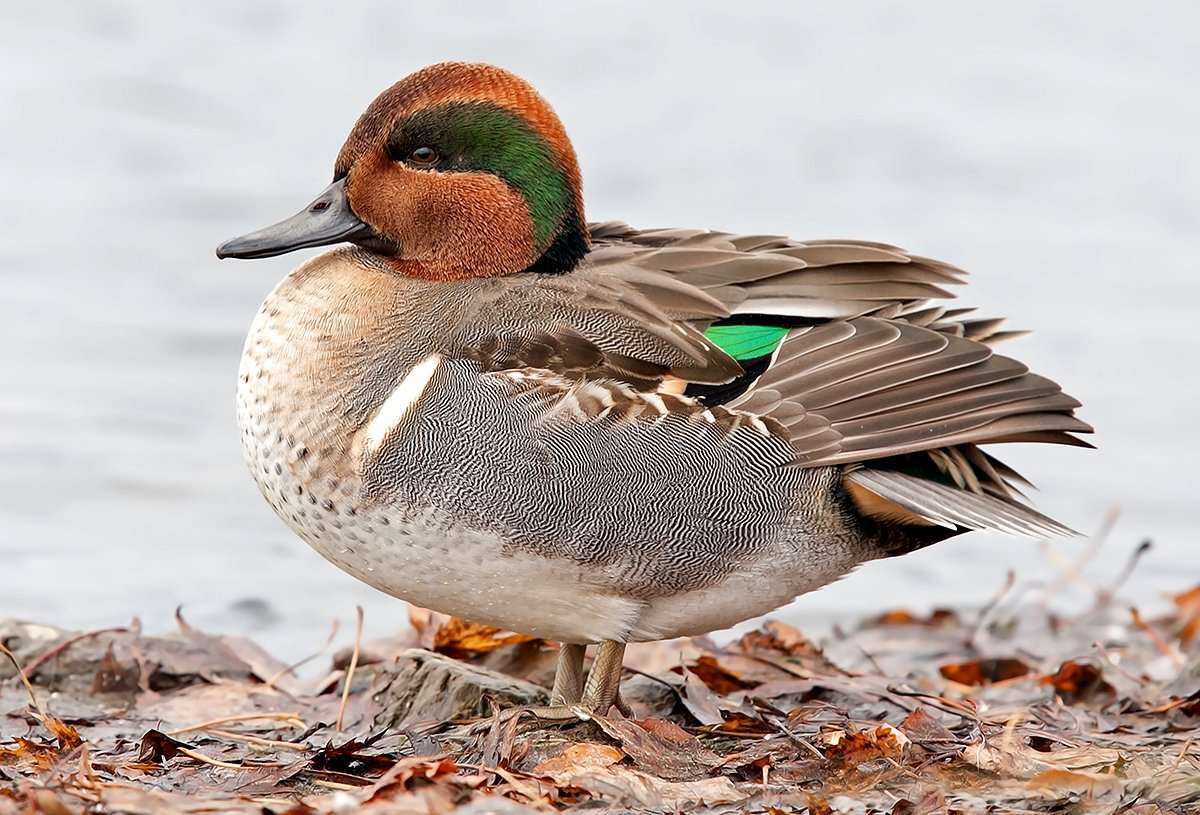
point(873, 371)
point(949, 506)
point(818, 280)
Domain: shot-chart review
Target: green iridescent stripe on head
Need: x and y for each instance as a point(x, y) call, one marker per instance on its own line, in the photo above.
point(747, 341)
point(481, 137)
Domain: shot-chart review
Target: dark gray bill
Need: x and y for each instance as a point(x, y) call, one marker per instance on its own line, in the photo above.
point(328, 219)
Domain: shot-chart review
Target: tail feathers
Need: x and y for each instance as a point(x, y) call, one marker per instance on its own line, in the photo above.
point(899, 498)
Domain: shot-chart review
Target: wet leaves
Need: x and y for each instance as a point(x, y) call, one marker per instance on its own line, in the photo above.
point(905, 714)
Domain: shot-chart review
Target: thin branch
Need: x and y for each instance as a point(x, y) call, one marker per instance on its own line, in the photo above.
point(258, 741)
point(358, 627)
point(289, 669)
point(50, 653)
point(25, 679)
point(216, 762)
point(295, 718)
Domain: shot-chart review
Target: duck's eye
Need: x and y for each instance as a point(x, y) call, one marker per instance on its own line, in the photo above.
point(423, 156)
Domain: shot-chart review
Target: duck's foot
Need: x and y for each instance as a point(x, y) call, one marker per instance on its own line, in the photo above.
point(601, 692)
point(547, 714)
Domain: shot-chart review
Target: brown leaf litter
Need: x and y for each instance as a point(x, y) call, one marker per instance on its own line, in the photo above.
point(1012, 709)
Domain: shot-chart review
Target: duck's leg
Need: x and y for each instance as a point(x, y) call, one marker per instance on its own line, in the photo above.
point(599, 694)
point(568, 677)
point(604, 680)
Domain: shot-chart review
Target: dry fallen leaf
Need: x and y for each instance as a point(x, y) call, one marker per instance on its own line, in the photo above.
point(662, 748)
point(778, 637)
point(717, 676)
point(864, 745)
point(408, 773)
point(67, 736)
point(576, 759)
point(460, 638)
point(39, 755)
point(114, 677)
point(818, 805)
point(630, 788)
point(900, 616)
point(1059, 778)
point(1077, 681)
point(156, 746)
point(1188, 604)
point(923, 729)
point(701, 702)
point(984, 671)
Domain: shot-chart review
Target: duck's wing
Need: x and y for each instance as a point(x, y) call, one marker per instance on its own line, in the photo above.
point(594, 325)
point(794, 281)
point(842, 344)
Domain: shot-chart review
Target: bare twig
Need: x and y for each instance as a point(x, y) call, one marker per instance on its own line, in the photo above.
point(358, 626)
point(336, 785)
point(50, 653)
point(1159, 643)
point(985, 614)
point(1142, 548)
point(1010, 730)
point(295, 718)
point(270, 683)
point(1094, 543)
point(1178, 759)
point(260, 741)
point(25, 679)
point(871, 658)
point(216, 762)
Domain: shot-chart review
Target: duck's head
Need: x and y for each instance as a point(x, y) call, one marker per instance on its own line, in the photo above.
point(458, 170)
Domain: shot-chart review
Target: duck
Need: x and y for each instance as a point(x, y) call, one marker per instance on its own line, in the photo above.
point(481, 403)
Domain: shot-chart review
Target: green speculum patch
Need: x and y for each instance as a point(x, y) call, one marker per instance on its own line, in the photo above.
point(747, 341)
point(480, 137)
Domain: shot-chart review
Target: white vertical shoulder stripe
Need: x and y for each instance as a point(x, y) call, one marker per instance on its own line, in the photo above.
point(404, 396)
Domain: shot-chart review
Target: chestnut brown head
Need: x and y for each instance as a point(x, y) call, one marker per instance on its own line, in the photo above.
point(459, 170)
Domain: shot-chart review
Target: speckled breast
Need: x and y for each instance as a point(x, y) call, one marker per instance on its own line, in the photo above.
point(307, 390)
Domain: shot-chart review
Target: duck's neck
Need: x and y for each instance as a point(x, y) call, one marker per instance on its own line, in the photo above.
point(565, 251)
point(568, 247)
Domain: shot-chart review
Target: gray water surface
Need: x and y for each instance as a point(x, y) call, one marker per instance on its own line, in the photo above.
point(1049, 149)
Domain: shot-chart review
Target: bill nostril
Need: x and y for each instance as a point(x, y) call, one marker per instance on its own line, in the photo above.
point(320, 206)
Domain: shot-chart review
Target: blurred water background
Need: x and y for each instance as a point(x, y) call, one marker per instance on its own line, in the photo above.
point(1050, 149)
